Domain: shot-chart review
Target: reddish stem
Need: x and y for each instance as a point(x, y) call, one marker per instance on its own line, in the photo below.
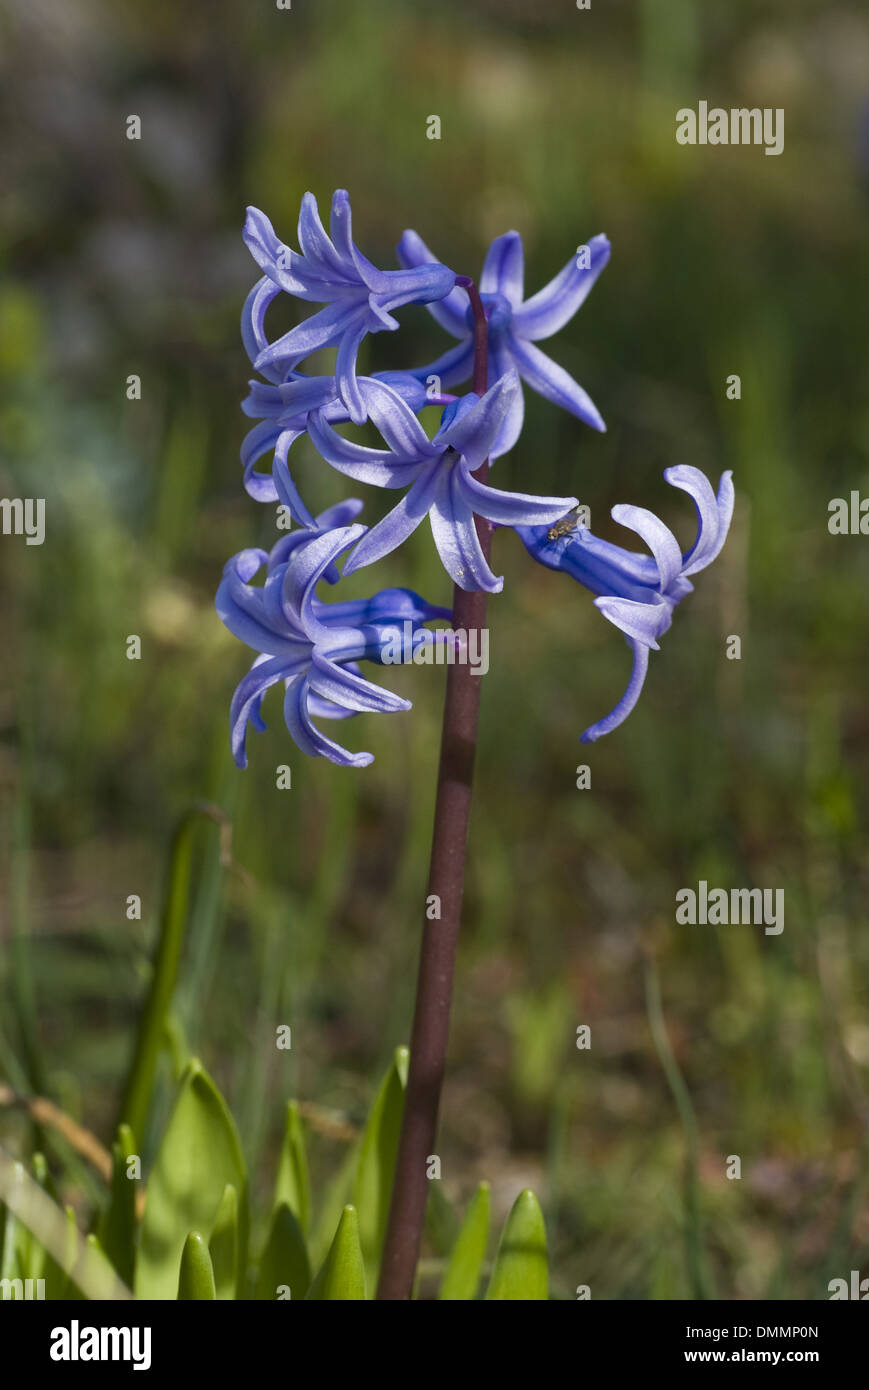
point(437, 962)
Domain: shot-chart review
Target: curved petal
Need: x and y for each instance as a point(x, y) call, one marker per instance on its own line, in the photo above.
point(336, 683)
point(451, 311)
point(553, 306)
point(472, 432)
point(554, 383)
point(323, 329)
point(316, 246)
point(287, 492)
point(308, 737)
point(714, 514)
point(500, 364)
point(455, 535)
point(401, 522)
point(504, 268)
point(642, 622)
point(396, 421)
point(242, 610)
point(509, 508)
point(257, 442)
point(379, 467)
point(658, 537)
point(270, 253)
point(306, 570)
point(345, 372)
point(628, 700)
point(423, 285)
point(253, 333)
point(246, 701)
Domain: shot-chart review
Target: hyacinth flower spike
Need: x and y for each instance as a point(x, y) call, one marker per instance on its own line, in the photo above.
point(638, 593)
point(311, 646)
point(329, 270)
point(438, 473)
point(515, 324)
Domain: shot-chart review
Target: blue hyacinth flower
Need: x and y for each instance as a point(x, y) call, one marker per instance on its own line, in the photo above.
point(438, 474)
point(329, 270)
point(515, 326)
point(638, 593)
point(283, 409)
point(311, 646)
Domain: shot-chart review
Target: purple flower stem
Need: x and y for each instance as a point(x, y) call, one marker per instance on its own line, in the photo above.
point(437, 962)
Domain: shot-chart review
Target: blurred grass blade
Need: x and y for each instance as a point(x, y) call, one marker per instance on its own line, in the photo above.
point(699, 1272)
point(462, 1277)
point(342, 1277)
point(198, 1156)
point(284, 1263)
point(196, 1278)
point(31, 1207)
point(520, 1269)
point(117, 1226)
point(376, 1165)
point(22, 975)
point(293, 1184)
point(136, 1098)
point(223, 1245)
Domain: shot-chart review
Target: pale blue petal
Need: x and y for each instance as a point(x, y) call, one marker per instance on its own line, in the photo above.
point(553, 306)
point(455, 535)
point(554, 383)
point(308, 737)
point(400, 523)
point(658, 537)
point(628, 700)
point(504, 268)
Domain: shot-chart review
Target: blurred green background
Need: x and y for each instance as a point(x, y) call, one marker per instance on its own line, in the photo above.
point(125, 257)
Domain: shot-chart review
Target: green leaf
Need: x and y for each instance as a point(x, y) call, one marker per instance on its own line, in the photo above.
point(151, 1036)
point(330, 1204)
point(13, 1233)
point(293, 1184)
point(342, 1276)
point(117, 1226)
point(284, 1263)
point(199, 1154)
point(196, 1279)
point(66, 1288)
point(462, 1276)
point(520, 1270)
point(223, 1245)
point(372, 1187)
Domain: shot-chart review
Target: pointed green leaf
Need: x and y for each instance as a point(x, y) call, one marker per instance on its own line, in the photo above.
point(199, 1154)
point(32, 1256)
point(117, 1226)
point(293, 1184)
point(223, 1245)
point(520, 1270)
point(136, 1098)
point(331, 1203)
point(196, 1278)
point(372, 1187)
point(67, 1290)
point(462, 1276)
point(342, 1277)
point(284, 1264)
